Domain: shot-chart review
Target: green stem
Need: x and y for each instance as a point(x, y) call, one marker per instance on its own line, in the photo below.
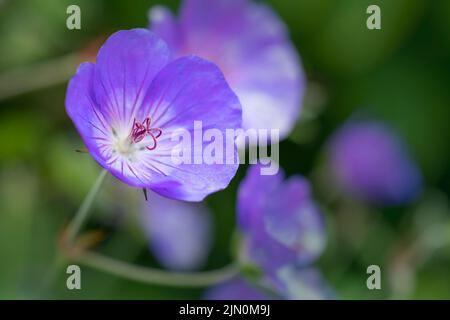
point(72, 230)
point(80, 217)
point(134, 272)
point(157, 276)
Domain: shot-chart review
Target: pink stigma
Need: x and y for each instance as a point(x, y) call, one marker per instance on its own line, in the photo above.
point(141, 129)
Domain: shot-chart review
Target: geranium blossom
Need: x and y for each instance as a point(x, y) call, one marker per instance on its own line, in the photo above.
point(288, 282)
point(251, 46)
point(371, 162)
point(235, 289)
point(295, 283)
point(280, 222)
point(127, 104)
point(283, 234)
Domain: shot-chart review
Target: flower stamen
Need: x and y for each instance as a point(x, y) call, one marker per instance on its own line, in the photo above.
point(140, 130)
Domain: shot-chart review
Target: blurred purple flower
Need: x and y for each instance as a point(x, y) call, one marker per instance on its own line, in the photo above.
point(283, 233)
point(180, 233)
point(289, 282)
point(370, 161)
point(251, 46)
point(127, 104)
point(280, 222)
point(296, 283)
point(235, 289)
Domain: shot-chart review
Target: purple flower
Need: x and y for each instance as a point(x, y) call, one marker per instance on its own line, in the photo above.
point(251, 46)
point(280, 222)
point(302, 284)
point(288, 282)
point(127, 105)
point(370, 161)
point(235, 289)
point(180, 233)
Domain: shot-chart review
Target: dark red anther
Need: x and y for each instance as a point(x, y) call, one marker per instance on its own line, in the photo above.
point(140, 130)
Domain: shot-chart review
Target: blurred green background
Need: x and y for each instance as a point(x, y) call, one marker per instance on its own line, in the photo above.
point(399, 74)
